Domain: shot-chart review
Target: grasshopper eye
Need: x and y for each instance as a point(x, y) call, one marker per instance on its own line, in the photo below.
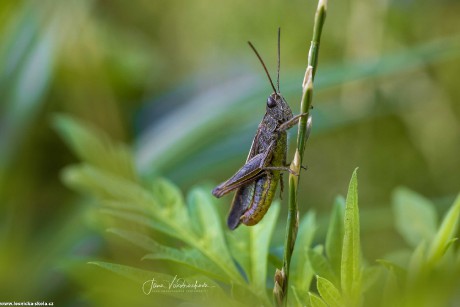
point(271, 102)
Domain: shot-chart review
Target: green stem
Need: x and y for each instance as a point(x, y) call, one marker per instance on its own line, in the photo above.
point(282, 277)
point(320, 17)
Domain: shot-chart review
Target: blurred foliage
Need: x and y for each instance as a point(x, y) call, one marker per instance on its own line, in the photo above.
point(177, 80)
point(234, 264)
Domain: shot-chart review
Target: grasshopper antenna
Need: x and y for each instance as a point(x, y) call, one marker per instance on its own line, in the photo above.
point(279, 56)
point(263, 64)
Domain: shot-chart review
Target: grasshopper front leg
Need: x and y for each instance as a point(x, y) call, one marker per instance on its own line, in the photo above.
point(294, 121)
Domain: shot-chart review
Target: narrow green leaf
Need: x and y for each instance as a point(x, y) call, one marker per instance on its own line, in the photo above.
point(445, 233)
point(391, 290)
point(209, 241)
point(206, 220)
point(316, 301)
point(245, 296)
point(143, 220)
point(209, 233)
point(275, 257)
point(329, 293)
point(301, 272)
point(318, 249)
point(250, 247)
point(370, 276)
point(168, 194)
point(297, 301)
point(125, 206)
point(351, 251)
point(114, 190)
point(334, 237)
point(136, 275)
point(107, 186)
point(93, 146)
point(321, 266)
point(172, 202)
point(415, 216)
point(400, 272)
point(190, 257)
point(238, 242)
point(417, 262)
point(400, 257)
point(144, 279)
point(449, 244)
point(260, 236)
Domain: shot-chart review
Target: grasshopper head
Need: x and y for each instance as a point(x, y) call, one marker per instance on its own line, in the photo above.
point(278, 108)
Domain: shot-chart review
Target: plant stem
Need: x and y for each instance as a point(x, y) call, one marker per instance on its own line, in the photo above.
point(282, 277)
point(320, 17)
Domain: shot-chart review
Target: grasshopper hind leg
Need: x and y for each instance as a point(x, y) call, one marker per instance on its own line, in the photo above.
point(243, 199)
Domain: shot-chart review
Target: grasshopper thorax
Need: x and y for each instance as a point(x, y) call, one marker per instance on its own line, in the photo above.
point(277, 108)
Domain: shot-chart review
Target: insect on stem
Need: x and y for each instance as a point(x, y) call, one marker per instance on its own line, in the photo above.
point(255, 183)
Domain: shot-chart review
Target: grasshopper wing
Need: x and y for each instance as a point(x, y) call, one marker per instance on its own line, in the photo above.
point(248, 173)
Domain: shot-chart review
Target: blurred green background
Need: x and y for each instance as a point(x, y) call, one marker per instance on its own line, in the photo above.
point(177, 80)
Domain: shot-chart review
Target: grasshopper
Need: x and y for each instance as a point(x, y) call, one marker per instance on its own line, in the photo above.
point(256, 182)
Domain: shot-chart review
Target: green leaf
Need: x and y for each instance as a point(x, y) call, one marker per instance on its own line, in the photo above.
point(316, 301)
point(449, 244)
point(297, 300)
point(136, 275)
point(275, 257)
point(168, 194)
point(209, 234)
point(106, 185)
point(143, 220)
point(445, 233)
point(351, 251)
point(399, 257)
point(171, 200)
point(206, 220)
point(144, 278)
point(417, 262)
point(301, 272)
point(250, 247)
point(400, 272)
point(321, 266)
point(117, 191)
point(238, 242)
point(370, 276)
point(391, 293)
point(189, 257)
point(94, 147)
point(329, 293)
point(415, 216)
point(259, 243)
point(334, 237)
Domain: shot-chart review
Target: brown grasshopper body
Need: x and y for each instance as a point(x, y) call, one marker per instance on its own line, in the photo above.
point(256, 182)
